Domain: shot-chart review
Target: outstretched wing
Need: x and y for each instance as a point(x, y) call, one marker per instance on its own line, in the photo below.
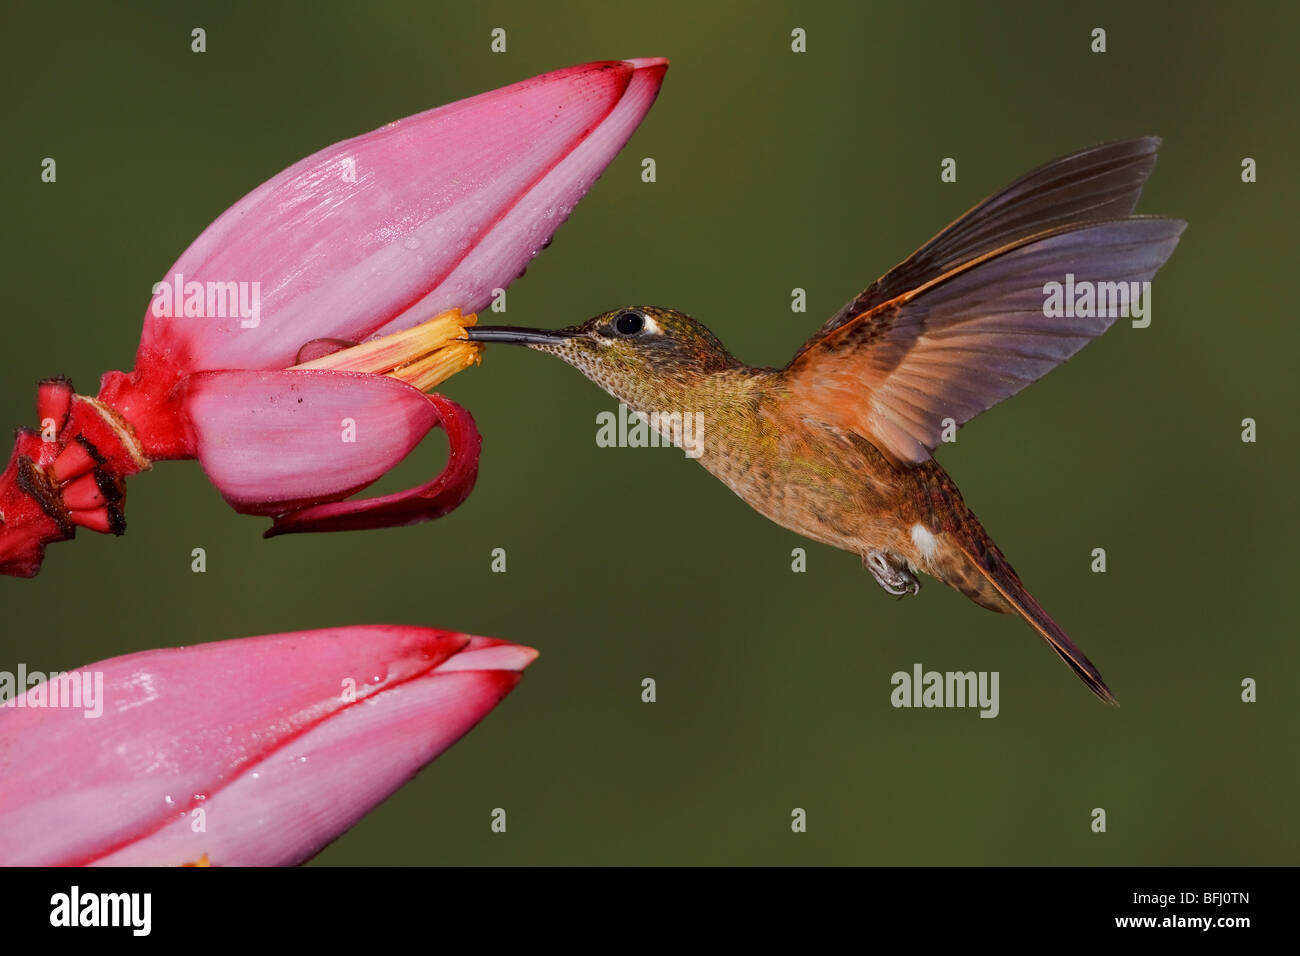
point(1100, 182)
point(962, 323)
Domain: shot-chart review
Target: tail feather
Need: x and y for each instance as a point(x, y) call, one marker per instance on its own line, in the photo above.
point(997, 572)
point(966, 559)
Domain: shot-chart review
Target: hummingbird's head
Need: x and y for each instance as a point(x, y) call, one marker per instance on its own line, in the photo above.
point(642, 355)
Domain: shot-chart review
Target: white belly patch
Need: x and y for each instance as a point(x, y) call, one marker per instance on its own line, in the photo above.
point(926, 543)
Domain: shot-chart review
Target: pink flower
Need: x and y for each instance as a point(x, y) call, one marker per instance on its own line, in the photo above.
point(248, 360)
point(251, 752)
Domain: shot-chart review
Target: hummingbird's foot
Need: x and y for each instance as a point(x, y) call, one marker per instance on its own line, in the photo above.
point(891, 573)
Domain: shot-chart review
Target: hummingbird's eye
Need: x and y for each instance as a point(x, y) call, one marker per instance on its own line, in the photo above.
point(629, 322)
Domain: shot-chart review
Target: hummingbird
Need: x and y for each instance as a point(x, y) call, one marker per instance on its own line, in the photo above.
point(838, 445)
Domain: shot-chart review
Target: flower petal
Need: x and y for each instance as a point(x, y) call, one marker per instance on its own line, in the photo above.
point(274, 441)
point(502, 254)
point(257, 733)
point(426, 213)
point(433, 499)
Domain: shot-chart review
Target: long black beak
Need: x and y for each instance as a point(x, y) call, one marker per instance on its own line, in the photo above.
point(513, 336)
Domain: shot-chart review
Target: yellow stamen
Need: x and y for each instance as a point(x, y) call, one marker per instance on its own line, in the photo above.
point(441, 365)
point(422, 356)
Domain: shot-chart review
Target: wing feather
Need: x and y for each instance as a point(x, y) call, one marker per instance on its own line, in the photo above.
point(1094, 184)
point(972, 336)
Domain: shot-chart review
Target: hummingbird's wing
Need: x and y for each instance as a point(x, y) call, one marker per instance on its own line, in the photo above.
point(1097, 183)
point(964, 322)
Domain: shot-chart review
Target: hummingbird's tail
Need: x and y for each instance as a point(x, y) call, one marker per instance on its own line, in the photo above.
point(998, 587)
point(965, 558)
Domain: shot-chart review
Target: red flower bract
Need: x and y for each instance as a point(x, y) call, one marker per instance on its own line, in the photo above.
point(250, 752)
point(384, 240)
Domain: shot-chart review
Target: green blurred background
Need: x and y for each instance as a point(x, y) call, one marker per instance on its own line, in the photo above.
point(775, 170)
